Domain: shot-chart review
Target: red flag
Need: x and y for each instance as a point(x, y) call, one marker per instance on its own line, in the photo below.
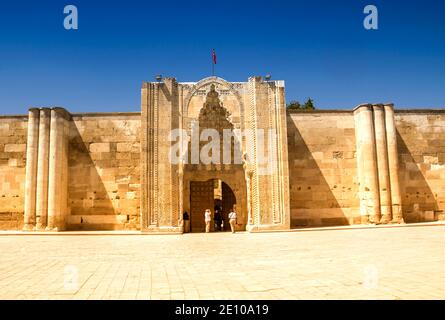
point(214, 56)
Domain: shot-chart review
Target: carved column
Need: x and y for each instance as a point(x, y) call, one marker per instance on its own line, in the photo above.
point(180, 177)
point(42, 169)
point(58, 163)
point(382, 163)
point(31, 169)
point(364, 218)
point(366, 146)
point(249, 197)
point(251, 124)
point(248, 177)
point(393, 160)
point(146, 97)
point(282, 155)
point(181, 195)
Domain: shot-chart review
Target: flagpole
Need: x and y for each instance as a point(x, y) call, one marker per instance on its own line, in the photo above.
point(213, 62)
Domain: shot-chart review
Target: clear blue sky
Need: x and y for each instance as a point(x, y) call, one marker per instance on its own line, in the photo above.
point(320, 48)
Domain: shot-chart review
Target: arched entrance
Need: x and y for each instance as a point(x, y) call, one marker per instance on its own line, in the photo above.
point(209, 180)
point(213, 194)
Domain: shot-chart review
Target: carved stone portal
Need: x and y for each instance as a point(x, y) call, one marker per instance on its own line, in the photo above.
point(260, 190)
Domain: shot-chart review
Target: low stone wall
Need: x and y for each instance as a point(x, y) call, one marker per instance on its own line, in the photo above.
point(13, 134)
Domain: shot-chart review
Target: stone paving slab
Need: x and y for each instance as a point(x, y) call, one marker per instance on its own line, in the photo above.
point(381, 263)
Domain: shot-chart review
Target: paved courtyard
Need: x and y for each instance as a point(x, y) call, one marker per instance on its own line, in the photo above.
point(387, 263)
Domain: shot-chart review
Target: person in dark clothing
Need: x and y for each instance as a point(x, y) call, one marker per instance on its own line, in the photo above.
point(186, 219)
point(217, 219)
point(223, 220)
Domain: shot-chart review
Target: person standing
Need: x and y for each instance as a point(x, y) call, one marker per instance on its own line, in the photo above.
point(217, 220)
point(207, 219)
point(222, 220)
point(186, 219)
point(232, 220)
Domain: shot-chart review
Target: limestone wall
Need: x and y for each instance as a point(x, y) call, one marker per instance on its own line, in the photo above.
point(421, 141)
point(13, 133)
point(322, 168)
point(103, 171)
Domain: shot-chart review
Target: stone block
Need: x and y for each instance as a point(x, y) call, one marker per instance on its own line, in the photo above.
point(15, 148)
point(100, 147)
point(123, 156)
point(124, 147)
point(428, 216)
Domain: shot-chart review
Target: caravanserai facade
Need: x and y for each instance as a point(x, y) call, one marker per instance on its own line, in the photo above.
point(117, 171)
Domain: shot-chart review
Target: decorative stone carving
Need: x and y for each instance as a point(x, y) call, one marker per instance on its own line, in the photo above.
point(163, 107)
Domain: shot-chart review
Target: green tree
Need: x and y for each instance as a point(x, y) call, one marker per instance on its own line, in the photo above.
point(309, 105)
point(294, 105)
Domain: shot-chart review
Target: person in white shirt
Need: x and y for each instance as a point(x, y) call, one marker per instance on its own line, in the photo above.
point(232, 220)
point(208, 219)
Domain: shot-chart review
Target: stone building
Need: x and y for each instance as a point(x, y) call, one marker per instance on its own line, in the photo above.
point(114, 171)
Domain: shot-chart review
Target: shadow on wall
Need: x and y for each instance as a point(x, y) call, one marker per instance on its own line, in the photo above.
point(419, 203)
point(312, 199)
point(91, 208)
point(13, 135)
